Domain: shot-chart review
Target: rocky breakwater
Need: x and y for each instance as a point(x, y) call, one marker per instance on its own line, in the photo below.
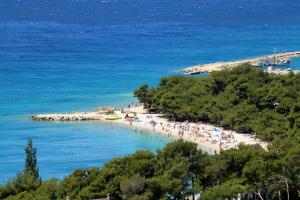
point(100, 113)
point(218, 66)
point(79, 116)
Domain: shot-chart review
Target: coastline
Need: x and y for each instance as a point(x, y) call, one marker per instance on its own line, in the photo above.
point(209, 138)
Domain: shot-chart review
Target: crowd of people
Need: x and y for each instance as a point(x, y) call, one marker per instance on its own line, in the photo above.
point(200, 133)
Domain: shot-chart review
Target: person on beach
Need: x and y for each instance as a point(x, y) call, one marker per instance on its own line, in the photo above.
point(153, 123)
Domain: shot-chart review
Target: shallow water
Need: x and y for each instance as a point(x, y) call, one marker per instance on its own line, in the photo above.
point(58, 58)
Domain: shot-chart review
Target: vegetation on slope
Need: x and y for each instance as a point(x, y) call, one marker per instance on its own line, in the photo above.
point(244, 99)
point(178, 171)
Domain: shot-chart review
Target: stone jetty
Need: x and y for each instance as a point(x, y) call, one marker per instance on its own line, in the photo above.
point(100, 113)
point(211, 67)
point(80, 116)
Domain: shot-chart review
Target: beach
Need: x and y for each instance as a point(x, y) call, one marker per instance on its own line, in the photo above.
point(208, 137)
point(204, 134)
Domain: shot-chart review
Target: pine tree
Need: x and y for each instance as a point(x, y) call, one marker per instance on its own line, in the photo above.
point(31, 160)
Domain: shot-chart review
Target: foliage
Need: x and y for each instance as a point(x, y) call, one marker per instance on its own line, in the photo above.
point(132, 185)
point(31, 161)
point(227, 190)
point(178, 171)
point(22, 182)
point(26, 181)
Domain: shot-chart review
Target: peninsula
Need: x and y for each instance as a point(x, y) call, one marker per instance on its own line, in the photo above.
point(217, 112)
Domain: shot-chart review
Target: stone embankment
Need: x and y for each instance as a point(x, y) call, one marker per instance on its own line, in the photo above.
point(82, 116)
point(211, 67)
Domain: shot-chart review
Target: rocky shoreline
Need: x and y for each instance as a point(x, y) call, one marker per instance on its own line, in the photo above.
point(68, 117)
point(218, 66)
point(100, 113)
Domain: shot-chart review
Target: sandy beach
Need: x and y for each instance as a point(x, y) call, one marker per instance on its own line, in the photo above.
point(205, 135)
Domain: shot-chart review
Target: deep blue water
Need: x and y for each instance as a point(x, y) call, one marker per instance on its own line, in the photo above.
point(70, 55)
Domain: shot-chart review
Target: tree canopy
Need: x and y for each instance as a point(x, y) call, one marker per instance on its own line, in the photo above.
point(178, 171)
point(31, 160)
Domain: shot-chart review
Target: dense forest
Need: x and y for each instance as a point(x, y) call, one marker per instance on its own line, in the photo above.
point(244, 99)
point(178, 171)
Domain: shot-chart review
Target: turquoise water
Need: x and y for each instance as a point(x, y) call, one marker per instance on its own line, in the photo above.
point(63, 147)
point(64, 56)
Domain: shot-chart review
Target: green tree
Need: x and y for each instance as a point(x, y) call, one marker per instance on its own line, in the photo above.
point(142, 95)
point(230, 189)
point(31, 160)
point(132, 186)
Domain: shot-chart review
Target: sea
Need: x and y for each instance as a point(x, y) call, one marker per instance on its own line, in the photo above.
point(75, 55)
